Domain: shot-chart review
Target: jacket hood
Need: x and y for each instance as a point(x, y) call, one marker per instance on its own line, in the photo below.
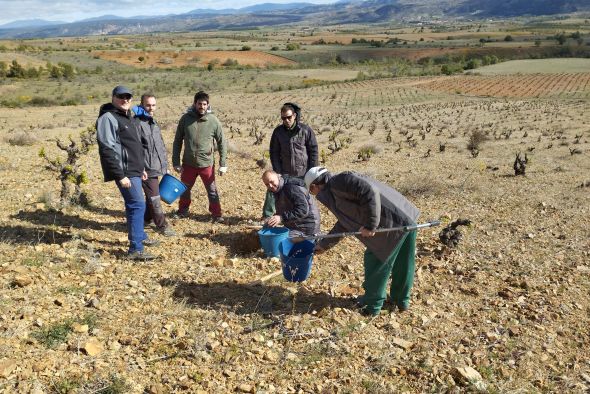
point(141, 113)
point(193, 112)
point(109, 107)
point(297, 109)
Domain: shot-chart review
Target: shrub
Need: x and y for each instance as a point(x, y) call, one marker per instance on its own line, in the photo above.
point(508, 38)
point(230, 63)
point(366, 151)
point(23, 139)
point(39, 101)
point(472, 64)
point(54, 334)
point(476, 138)
point(246, 48)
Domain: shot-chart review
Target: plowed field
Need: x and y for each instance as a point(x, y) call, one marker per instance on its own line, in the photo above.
point(168, 59)
point(533, 85)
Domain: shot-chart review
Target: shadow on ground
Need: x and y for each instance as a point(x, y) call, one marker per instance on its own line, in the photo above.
point(32, 236)
point(241, 243)
point(228, 220)
point(244, 298)
point(57, 218)
point(106, 211)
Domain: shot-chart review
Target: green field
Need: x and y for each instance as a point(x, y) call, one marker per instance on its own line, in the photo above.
point(537, 66)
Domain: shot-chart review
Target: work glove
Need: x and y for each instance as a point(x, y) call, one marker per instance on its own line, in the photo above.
point(222, 170)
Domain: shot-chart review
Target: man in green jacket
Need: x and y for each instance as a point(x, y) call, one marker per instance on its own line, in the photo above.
point(199, 130)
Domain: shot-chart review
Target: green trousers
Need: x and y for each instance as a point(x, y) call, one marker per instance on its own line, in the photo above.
point(400, 266)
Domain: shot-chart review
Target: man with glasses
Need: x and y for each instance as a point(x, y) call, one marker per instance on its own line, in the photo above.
point(199, 130)
point(293, 150)
point(121, 150)
point(156, 162)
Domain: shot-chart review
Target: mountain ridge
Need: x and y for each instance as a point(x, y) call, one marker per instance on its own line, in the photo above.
point(273, 14)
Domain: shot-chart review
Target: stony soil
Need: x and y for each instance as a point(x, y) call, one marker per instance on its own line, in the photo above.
point(507, 310)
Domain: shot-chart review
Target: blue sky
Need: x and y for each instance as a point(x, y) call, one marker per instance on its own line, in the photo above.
point(70, 11)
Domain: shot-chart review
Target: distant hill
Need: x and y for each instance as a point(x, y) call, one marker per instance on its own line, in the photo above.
point(509, 8)
point(272, 14)
point(29, 23)
point(265, 7)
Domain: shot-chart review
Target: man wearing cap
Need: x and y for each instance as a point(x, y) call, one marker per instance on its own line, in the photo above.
point(293, 149)
point(156, 164)
point(121, 149)
point(295, 208)
point(363, 204)
point(199, 130)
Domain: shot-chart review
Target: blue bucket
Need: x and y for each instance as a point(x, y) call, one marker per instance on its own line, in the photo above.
point(270, 238)
point(171, 188)
point(297, 259)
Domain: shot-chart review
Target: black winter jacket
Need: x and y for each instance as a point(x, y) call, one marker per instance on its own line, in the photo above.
point(297, 207)
point(120, 143)
point(293, 152)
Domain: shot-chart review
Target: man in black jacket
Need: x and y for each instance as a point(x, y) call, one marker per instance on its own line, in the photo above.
point(293, 149)
point(121, 150)
point(364, 204)
point(295, 208)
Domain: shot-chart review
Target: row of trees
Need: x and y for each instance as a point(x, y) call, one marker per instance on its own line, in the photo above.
point(16, 70)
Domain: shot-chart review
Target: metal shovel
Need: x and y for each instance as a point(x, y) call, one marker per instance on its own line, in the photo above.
point(379, 230)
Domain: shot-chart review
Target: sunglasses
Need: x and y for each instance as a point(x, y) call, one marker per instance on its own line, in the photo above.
point(124, 96)
point(287, 117)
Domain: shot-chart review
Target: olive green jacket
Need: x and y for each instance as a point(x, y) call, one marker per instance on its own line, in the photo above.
point(201, 136)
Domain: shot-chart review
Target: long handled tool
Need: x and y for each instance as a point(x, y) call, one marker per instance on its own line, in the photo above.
point(379, 230)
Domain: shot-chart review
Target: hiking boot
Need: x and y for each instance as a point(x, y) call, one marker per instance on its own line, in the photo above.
point(167, 231)
point(180, 214)
point(151, 242)
point(140, 255)
point(218, 219)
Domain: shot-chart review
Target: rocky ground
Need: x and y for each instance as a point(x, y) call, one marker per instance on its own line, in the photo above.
point(506, 310)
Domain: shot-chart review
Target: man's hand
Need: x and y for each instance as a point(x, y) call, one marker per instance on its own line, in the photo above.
point(125, 183)
point(222, 170)
point(273, 221)
point(366, 233)
point(178, 169)
point(144, 176)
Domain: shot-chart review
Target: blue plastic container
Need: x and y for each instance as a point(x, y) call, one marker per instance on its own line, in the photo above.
point(270, 238)
point(296, 259)
point(171, 188)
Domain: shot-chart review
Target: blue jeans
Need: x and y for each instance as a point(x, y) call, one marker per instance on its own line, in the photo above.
point(134, 210)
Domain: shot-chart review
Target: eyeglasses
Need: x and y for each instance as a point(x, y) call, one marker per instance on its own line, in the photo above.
point(127, 97)
point(287, 117)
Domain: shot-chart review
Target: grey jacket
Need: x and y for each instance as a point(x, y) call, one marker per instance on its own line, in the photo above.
point(293, 152)
point(359, 201)
point(156, 159)
point(297, 208)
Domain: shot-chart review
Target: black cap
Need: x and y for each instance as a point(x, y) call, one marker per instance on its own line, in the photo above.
point(121, 90)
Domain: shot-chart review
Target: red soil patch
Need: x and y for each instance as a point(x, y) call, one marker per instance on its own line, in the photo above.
point(168, 59)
